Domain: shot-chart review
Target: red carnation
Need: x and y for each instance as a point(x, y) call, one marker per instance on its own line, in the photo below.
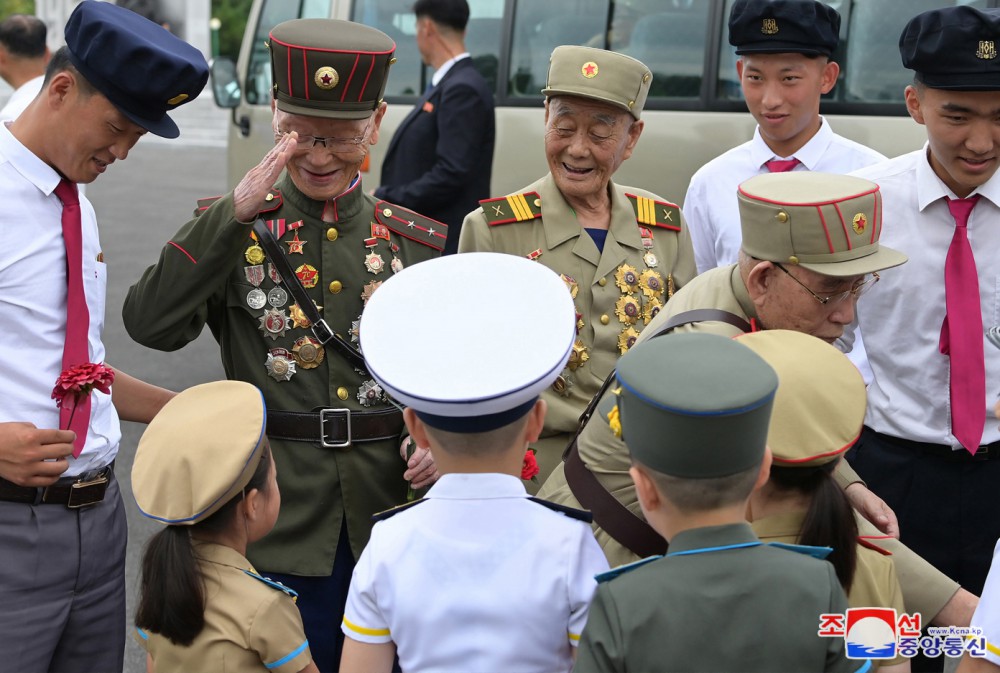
point(529, 468)
point(76, 383)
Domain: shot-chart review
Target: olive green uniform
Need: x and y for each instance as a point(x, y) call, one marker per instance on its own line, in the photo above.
point(201, 277)
point(925, 589)
point(251, 624)
point(700, 609)
point(646, 236)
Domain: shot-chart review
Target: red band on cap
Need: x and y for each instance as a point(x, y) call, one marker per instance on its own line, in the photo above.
point(343, 95)
point(843, 224)
point(290, 92)
point(877, 229)
point(333, 51)
point(305, 72)
point(802, 205)
point(367, 77)
point(826, 230)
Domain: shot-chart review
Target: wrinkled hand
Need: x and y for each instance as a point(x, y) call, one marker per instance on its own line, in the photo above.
point(248, 197)
point(33, 457)
point(421, 470)
point(873, 508)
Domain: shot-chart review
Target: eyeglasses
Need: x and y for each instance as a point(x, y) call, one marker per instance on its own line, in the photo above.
point(335, 145)
point(859, 288)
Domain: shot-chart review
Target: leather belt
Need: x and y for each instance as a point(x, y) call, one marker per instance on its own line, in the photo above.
point(73, 493)
point(617, 520)
point(335, 428)
point(984, 452)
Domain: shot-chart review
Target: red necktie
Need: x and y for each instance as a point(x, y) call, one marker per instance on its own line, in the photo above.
point(781, 165)
point(76, 350)
point(962, 332)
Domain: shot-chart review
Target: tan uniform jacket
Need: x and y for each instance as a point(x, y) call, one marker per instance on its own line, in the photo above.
point(250, 624)
point(550, 233)
point(925, 589)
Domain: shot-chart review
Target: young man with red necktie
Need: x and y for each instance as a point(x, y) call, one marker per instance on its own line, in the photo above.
point(62, 520)
point(931, 442)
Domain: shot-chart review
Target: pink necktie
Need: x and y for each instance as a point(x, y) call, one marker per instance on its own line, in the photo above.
point(962, 332)
point(781, 165)
point(76, 350)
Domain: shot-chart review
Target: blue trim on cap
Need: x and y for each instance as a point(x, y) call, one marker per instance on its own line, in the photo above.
point(484, 423)
point(195, 517)
point(288, 657)
point(145, 636)
point(688, 412)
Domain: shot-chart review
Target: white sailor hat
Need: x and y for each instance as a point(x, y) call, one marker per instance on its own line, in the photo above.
point(469, 341)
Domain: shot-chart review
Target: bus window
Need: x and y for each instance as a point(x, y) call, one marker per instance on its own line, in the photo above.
point(672, 45)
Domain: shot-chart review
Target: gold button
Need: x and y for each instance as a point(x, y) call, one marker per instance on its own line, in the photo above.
point(602, 282)
point(631, 103)
point(645, 78)
point(342, 393)
point(332, 234)
point(336, 286)
point(782, 216)
point(559, 385)
point(387, 212)
point(605, 319)
point(793, 260)
point(269, 197)
point(538, 203)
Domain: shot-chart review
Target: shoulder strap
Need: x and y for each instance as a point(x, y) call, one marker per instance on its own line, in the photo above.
point(655, 213)
point(513, 208)
point(571, 512)
point(389, 513)
point(294, 287)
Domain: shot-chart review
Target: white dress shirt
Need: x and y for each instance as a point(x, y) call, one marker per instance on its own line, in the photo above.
point(446, 66)
point(901, 316)
point(19, 100)
point(477, 577)
point(33, 301)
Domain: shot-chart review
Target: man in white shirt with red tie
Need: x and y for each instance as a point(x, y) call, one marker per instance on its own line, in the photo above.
point(62, 520)
point(931, 446)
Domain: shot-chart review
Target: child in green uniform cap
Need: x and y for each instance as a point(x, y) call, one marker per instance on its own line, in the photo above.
point(693, 410)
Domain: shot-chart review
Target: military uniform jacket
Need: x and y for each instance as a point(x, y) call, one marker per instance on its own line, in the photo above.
point(251, 624)
point(617, 292)
point(926, 589)
point(205, 274)
point(707, 606)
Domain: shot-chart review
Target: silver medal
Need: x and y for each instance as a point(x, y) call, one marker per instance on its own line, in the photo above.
point(256, 298)
point(277, 297)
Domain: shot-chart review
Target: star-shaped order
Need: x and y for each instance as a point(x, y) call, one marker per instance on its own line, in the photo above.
point(295, 245)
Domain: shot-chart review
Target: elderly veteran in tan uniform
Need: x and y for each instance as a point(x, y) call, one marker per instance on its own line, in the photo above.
point(818, 414)
point(336, 435)
point(831, 224)
point(620, 250)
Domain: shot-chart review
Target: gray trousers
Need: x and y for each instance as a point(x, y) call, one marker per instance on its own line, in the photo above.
point(62, 587)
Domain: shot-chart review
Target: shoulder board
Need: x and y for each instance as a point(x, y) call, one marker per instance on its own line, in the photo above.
point(578, 514)
point(513, 208)
point(274, 585)
point(389, 513)
point(609, 575)
point(204, 203)
point(655, 213)
point(271, 202)
point(412, 225)
point(816, 552)
point(869, 542)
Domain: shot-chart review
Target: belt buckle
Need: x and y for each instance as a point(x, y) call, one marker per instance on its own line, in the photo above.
point(322, 428)
point(322, 332)
point(86, 493)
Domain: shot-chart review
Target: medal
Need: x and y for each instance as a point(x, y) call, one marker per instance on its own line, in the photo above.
point(294, 225)
point(254, 254)
point(273, 274)
point(370, 393)
point(369, 290)
point(295, 245)
point(579, 322)
point(355, 331)
point(396, 265)
point(277, 297)
point(279, 365)
point(627, 279)
point(374, 262)
point(628, 310)
point(308, 352)
point(578, 356)
point(650, 259)
point(308, 275)
point(256, 299)
point(561, 385)
point(254, 274)
point(651, 283)
point(273, 323)
point(298, 316)
point(627, 339)
point(277, 227)
point(670, 285)
point(571, 285)
point(650, 310)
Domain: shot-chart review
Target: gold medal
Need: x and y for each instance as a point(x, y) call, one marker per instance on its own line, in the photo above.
point(627, 279)
point(295, 245)
point(308, 275)
point(650, 310)
point(374, 262)
point(651, 283)
point(255, 254)
point(627, 339)
point(579, 322)
point(571, 285)
point(628, 310)
point(369, 290)
point(578, 356)
point(308, 352)
point(298, 316)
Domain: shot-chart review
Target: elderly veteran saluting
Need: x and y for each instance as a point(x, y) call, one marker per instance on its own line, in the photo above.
point(810, 247)
point(282, 296)
point(620, 250)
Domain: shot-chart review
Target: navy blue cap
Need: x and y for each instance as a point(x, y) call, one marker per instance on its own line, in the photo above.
point(954, 48)
point(143, 69)
point(783, 26)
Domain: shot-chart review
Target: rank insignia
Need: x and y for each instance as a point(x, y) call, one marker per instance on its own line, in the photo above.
point(369, 290)
point(298, 316)
point(396, 265)
point(295, 245)
point(277, 297)
point(273, 274)
point(628, 310)
point(308, 352)
point(650, 310)
point(562, 385)
point(578, 356)
point(254, 254)
point(653, 213)
point(651, 283)
point(513, 208)
point(274, 323)
point(370, 393)
point(355, 331)
point(308, 275)
point(279, 364)
point(571, 285)
point(374, 262)
point(627, 278)
point(627, 339)
point(380, 231)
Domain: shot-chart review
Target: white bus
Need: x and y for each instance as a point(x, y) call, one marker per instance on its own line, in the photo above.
point(695, 109)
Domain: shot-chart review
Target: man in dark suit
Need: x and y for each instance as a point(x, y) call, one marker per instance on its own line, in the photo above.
point(440, 159)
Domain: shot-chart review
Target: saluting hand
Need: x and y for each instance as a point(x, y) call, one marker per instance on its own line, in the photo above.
point(35, 457)
point(249, 195)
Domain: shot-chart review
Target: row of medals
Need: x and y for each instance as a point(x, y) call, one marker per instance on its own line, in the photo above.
point(643, 295)
point(307, 352)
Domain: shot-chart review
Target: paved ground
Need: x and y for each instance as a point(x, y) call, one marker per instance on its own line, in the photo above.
point(140, 204)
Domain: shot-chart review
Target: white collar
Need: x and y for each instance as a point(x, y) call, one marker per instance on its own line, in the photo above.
point(479, 486)
point(27, 163)
point(443, 70)
point(809, 154)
